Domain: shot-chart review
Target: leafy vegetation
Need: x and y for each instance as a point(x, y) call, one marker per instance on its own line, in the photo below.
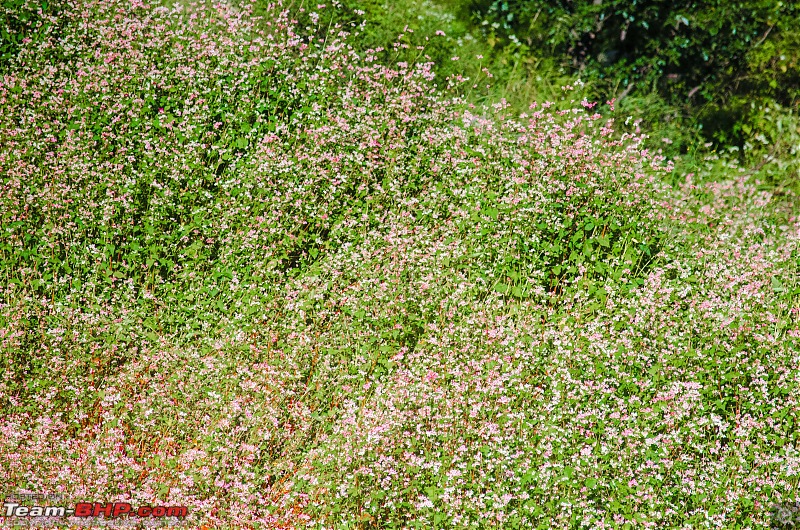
point(24, 22)
point(255, 265)
point(693, 71)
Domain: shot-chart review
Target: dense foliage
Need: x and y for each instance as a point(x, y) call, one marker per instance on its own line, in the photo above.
point(252, 266)
point(709, 59)
point(23, 21)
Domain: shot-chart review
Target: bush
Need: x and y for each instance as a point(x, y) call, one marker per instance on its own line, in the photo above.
point(709, 58)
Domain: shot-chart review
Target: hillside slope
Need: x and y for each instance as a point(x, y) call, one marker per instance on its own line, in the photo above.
point(276, 281)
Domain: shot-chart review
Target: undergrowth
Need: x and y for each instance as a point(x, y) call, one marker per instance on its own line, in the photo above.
point(255, 269)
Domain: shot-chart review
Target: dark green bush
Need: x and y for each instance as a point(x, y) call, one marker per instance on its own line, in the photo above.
point(710, 59)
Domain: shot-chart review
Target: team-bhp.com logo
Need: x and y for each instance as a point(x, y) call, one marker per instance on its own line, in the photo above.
point(96, 509)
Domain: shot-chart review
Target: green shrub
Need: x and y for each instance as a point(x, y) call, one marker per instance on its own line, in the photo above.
point(709, 58)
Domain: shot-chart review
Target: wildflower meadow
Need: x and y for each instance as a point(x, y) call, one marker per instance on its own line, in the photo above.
point(250, 268)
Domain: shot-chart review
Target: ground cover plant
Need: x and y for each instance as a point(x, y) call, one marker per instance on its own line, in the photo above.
point(252, 269)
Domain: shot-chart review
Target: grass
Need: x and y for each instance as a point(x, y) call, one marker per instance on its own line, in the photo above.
point(252, 268)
